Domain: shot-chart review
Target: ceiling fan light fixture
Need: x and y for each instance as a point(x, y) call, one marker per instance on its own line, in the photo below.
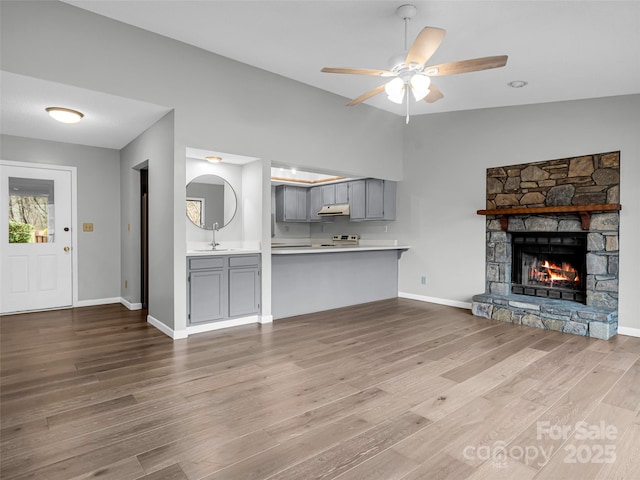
point(64, 115)
point(395, 90)
point(419, 86)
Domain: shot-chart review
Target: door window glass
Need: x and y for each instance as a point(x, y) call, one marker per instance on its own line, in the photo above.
point(31, 210)
point(195, 210)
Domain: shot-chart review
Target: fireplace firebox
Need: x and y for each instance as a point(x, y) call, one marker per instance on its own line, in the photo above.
point(550, 264)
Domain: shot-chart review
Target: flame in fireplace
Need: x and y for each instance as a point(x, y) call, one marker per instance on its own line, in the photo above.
point(551, 272)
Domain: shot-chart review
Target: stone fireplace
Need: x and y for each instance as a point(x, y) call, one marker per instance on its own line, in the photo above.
point(552, 245)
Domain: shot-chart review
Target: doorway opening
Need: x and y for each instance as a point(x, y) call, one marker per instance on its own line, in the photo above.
point(144, 237)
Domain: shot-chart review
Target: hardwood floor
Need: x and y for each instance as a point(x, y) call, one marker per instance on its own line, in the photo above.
point(390, 390)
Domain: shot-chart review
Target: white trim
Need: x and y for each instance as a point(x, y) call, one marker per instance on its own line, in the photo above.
point(265, 319)
point(170, 332)
point(439, 301)
point(235, 322)
point(631, 332)
point(97, 301)
point(74, 216)
point(129, 305)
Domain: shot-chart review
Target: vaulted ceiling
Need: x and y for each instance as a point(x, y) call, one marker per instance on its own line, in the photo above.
point(565, 50)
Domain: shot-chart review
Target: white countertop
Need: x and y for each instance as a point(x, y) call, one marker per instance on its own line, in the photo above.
point(221, 251)
point(297, 250)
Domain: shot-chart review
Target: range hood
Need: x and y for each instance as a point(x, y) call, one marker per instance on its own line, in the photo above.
point(334, 210)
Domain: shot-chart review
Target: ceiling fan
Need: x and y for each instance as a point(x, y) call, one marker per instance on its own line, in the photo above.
point(409, 68)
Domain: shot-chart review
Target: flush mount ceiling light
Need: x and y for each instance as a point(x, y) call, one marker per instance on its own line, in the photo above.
point(410, 69)
point(64, 115)
point(518, 84)
point(213, 159)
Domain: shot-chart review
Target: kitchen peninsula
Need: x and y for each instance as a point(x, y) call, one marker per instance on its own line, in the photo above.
point(314, 276)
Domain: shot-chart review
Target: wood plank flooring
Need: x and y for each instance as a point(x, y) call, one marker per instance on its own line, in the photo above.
point(390, 390)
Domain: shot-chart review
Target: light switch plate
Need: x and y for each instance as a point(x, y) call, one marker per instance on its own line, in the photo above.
point(87, 227)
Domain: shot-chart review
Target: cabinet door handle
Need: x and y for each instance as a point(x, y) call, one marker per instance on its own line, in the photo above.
point(66, 249)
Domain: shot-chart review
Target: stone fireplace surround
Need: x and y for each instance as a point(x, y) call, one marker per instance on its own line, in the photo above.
point(585, 180)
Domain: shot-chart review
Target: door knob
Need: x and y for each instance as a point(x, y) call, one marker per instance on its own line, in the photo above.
point(66, 249)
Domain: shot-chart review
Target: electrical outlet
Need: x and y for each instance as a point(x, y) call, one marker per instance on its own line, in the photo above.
point(87, 227)
point(423, 280)
point(386, 228)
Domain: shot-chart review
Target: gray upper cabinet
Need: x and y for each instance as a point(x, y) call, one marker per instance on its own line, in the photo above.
point(315, 204)
point(342, 193)
point(357, 202)
point(291, 204)
point(335, 193)
point(372, 199)
point(328, 194)
point(368, 199)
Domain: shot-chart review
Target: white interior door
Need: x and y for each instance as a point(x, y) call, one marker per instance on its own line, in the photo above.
point(35, 238)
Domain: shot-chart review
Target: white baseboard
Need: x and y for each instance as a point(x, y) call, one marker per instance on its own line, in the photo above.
point(439, 301)
point(235, 322)
point(129, 305)
point(97, 301)
point(266, 319)
point(631, 332)
point(170, 332)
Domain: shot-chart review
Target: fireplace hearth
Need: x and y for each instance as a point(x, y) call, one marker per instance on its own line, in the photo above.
point(550, 265)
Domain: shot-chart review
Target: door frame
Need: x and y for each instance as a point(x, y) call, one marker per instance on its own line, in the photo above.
point(74, 216)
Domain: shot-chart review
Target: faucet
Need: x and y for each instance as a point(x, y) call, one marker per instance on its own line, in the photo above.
point(215, 228)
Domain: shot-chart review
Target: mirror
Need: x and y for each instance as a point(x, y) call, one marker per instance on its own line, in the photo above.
point(210, 200)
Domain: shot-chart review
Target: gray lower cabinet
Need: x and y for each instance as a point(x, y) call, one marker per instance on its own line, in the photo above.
point(222, 287)
point(244, 285)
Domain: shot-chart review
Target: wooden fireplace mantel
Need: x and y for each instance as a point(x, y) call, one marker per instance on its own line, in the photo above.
point(584, 211)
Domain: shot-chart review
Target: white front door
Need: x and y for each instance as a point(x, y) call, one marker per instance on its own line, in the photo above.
point(35, 238)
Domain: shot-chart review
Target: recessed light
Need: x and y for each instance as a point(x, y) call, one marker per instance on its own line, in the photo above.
point(64, 115)
point(213, 159)
point(518, 84)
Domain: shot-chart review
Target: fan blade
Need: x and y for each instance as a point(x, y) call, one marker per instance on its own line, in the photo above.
point(366, 96)
point(359, 71)
point(434, 94)
point(466, 66)
point(425, 45)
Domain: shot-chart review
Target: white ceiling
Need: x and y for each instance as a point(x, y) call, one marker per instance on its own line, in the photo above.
point(232, 158)
point(566, 50)
point(24, 100)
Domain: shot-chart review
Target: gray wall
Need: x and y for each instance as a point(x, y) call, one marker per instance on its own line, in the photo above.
point(154, 149)
point(285, 122)
point(446, 157)
point(98, 171)
point(264, 116)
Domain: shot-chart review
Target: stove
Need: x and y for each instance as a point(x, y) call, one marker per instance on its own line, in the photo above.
point(343, 240)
